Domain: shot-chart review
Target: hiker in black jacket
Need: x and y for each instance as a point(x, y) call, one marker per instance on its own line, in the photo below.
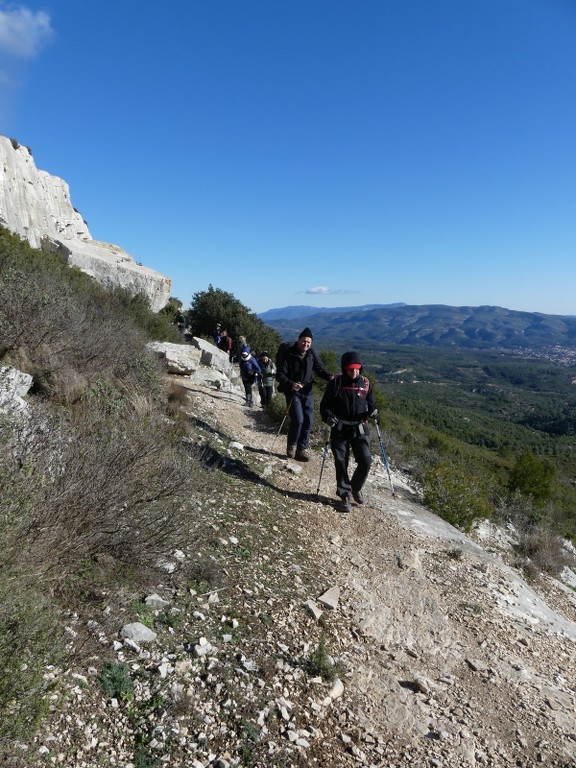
point(346, 405)
point(296, 365)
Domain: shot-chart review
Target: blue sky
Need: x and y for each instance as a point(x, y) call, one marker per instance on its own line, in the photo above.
point(321, 152)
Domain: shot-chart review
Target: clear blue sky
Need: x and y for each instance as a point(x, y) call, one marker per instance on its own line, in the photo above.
point(322, 152)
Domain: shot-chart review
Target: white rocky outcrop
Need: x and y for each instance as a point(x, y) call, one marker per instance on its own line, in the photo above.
point(14, 385)
point(200, 360)
point(37, 206)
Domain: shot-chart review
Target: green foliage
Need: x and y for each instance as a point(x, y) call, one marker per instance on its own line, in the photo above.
point(64, 328)
point(29, 640)
point(320, 664)
point(217, 306)
point(115, 680)
point(457, 493)
point(532, 477)
point(158, 326)
point(481, 406)
point(330, 361)
point(143, 759)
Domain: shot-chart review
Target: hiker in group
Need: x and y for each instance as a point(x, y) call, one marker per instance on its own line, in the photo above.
point(241, 346)
point(180, 321)
point(225, 343)
point(266, 386)
point(346, 406)
point(216, 334)
point(296, 364)
point(250, 373)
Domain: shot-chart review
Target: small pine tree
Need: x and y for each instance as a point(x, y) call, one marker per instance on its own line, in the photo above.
point(532, 477)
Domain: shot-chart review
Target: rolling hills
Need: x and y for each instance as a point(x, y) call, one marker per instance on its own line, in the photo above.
point(484, 327)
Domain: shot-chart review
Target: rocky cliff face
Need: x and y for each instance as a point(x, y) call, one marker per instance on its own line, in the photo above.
point(37, 206)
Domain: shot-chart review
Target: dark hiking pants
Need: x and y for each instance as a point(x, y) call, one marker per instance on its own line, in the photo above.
point(343, 440)
point(301, 416)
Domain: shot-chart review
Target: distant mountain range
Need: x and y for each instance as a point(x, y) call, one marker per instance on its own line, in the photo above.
point(484, 327)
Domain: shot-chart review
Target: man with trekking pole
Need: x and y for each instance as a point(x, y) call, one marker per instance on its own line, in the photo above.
point(296, 364)
point(347, 404)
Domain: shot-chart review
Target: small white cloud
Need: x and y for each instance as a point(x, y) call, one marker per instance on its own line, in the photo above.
point(324, 291)
point(23, 32)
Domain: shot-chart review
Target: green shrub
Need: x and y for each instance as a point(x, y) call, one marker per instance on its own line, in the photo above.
point(29, 641)
point(218, 306)
point(457, 494)
point(321, 664)
point(115, 680)
point(532, 477)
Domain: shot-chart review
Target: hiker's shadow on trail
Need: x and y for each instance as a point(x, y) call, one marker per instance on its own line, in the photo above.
point(238, 468)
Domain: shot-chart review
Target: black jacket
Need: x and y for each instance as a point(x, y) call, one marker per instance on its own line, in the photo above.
point(293, 367)
point(347, 399)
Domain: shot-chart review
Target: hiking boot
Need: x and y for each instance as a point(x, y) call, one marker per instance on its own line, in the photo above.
point(345, 505)
point(358, 497)
point(302, 455)
point(291, 451)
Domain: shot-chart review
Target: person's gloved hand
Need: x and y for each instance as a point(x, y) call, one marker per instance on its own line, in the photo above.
point(331, 420)
point(374, 415)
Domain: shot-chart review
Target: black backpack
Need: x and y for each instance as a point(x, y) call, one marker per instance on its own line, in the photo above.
point(281, 355)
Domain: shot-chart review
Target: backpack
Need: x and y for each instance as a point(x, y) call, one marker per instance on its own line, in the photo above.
point(363, 384)
point(281, 355)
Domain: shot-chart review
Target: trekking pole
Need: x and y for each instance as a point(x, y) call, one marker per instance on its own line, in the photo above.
point(384, 457)
point(281, 425)
point(324, 454)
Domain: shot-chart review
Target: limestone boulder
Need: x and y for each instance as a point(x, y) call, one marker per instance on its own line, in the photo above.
point(14, 385)
point(204, 363)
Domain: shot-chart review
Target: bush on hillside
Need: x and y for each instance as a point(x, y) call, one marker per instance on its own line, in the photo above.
point(458, 494)
point(532, 477)
point(217, 306)
point(62, 327)
point(88, 496)
point(539, 543)
point(112, 482)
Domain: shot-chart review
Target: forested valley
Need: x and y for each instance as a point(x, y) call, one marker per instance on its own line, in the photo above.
point(481, 430)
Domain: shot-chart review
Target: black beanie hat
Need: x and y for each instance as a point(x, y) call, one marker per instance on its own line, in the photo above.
point(350, 358)
point(306, 332)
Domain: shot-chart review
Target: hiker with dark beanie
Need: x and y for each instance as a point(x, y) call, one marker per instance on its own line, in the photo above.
point(346, 405)
point(296, 364)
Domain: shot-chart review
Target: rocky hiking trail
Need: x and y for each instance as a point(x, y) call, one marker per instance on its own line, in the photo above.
point(305, 636)
point(451, 654)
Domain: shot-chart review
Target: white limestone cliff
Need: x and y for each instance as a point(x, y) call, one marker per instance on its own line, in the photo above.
point(37, 206)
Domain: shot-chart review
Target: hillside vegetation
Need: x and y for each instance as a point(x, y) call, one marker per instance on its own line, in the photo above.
point(96, 481)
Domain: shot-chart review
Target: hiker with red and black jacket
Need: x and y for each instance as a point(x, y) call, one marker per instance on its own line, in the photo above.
point(296, 365)
point(346, 406)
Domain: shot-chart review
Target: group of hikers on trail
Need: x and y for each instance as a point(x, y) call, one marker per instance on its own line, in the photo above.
point(346, 405)
point(259, 369)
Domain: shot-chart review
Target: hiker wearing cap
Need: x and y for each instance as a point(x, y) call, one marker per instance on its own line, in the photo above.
point(216, 333)
point(346, 405)
point(296, 365)
point(266, 386)
point(250, 373)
